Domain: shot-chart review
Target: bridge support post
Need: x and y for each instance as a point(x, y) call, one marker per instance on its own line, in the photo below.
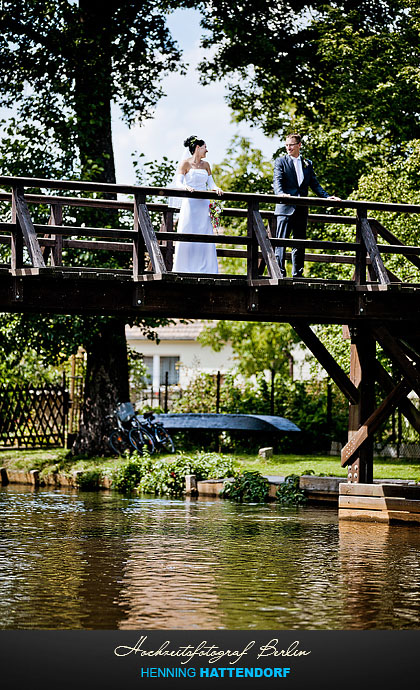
point(362, 374)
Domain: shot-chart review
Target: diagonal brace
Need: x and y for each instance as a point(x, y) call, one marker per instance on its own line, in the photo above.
point(149, 236)
point(265, 244)
point(27, 227)
point(373, 251)
point(333, 369)
point(352, 447)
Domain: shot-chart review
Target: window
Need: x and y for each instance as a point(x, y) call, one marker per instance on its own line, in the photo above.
point(170, 365)
point(148, 363)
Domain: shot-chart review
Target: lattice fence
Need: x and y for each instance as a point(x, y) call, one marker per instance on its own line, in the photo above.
point(33, 417)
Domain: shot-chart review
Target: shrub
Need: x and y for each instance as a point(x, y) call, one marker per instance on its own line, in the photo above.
point(249, 487)
point(289, 492)
point(167, 476)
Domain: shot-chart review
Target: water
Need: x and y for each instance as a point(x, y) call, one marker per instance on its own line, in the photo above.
point(73, 560)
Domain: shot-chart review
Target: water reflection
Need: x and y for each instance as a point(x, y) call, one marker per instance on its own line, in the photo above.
point(100, 560)
point(380, 574)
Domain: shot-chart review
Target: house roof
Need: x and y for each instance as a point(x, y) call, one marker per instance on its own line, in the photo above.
point(175, 331)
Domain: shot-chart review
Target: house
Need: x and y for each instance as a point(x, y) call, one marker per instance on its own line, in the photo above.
point(178, 354)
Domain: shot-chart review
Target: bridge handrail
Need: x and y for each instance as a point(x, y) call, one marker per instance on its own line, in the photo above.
point(107, 188)
point(259, 241)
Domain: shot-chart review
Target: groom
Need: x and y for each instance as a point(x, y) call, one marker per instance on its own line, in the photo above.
point(293, 175)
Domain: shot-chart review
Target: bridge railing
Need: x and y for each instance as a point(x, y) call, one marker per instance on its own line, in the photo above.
point(152, 252)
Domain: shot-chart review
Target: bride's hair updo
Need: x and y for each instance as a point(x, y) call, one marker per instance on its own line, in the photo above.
point(193, 142)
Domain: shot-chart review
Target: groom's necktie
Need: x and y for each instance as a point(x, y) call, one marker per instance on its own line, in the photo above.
point(297, 162)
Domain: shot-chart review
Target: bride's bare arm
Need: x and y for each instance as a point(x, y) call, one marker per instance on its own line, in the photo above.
point(211, 183)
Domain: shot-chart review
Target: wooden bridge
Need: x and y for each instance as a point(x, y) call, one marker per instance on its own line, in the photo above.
point(375, 306)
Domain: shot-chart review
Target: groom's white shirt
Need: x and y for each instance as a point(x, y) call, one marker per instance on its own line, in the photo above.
point(297, 162)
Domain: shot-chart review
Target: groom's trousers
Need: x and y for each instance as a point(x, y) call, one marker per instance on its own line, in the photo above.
point(294, 225)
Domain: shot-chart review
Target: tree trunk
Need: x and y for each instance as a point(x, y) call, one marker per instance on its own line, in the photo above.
point(107, 366)
point(106, 384)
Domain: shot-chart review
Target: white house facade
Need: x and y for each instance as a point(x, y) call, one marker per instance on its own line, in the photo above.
point(178, 356)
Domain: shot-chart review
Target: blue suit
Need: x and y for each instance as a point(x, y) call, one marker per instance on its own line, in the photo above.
point(292, 218)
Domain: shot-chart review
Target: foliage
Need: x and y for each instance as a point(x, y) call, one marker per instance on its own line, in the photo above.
point(167, 476)
point(248, 487)
point(243, 169)
point(289, 492)
point(88, 480)
point(346, 74)
point(77, 59)
point(256, 346)
point(63, 63)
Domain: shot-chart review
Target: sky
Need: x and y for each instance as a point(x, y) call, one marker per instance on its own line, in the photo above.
point(188, 108)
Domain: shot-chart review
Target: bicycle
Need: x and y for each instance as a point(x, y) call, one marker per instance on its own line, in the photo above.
point(129, 434)
point(161, 437)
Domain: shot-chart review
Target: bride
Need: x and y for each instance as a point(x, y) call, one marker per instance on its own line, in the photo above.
point(194, 174)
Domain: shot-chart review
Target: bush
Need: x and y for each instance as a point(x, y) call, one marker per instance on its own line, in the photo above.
point(167, 477)
point(249, 487)
point(289, 492)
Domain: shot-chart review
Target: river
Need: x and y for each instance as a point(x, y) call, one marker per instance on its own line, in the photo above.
point(100, 560)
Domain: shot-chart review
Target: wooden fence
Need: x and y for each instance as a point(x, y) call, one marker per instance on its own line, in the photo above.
point(33, 417)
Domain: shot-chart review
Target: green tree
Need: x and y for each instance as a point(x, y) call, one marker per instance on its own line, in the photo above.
point(256, 346)
point(62, 65)
point(345, 74)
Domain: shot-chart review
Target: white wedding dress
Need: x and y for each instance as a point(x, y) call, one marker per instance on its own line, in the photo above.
point(194, 217)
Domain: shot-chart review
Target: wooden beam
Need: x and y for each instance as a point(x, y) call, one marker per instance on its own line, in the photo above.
point(252, 250)
point(56, 218)
point(27, 227)
point(366, 431)
point(392, 239)
point(266, 248)
point(410, 411)
point(16, 240)
point(395, 352)
point(321, 353)
point(360, 269)
point(149, 236)
point(362, 359)
point(372, 249)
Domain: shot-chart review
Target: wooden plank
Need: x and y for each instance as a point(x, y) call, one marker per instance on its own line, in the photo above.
point(70, 231)
point(409, 491)
point(360, 268)
point(27, 227)
point(96, 245)
point(363, 515)
point(266, 248)
point(209, 239)
point(321, 353)
point(16, 240)
point(374, 421)
point(392, 239)
point(56, 218)
point(149, 236)
point(379, 503)
point(167, 225)
point(252, 250)
point(372, 249)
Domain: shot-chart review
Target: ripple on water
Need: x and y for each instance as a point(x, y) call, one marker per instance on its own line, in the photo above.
point(101, 560)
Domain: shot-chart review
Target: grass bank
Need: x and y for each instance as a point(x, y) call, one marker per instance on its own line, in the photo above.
point(56, 460)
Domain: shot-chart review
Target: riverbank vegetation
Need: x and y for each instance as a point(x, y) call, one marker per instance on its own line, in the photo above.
point(57, 460)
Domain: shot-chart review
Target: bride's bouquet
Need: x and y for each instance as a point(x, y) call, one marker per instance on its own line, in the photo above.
point(215, 213)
